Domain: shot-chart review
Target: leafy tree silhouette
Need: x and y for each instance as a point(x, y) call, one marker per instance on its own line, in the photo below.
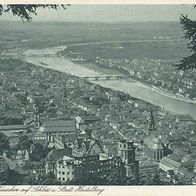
point(4, 143)
point(26, 11)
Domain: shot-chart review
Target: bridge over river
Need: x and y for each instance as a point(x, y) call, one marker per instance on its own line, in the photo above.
point(105, 77)
point(116, 82)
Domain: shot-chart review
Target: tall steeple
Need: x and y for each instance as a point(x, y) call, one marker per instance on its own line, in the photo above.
point(65, 93)
point(36, 115)
point(151, 123)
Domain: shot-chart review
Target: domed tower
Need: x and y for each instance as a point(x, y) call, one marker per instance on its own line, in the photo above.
point(154, 148)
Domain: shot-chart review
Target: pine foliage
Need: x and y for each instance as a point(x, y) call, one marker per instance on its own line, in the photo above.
point(189, 27)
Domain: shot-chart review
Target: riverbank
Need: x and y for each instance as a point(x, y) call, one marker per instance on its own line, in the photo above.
point(105, 69)
point(133, 87)
point(46, 51)
point(165, 93)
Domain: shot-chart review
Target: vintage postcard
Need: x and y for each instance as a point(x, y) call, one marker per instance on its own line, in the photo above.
point(97, 97)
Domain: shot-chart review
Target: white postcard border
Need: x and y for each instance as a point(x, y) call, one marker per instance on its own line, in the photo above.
point(101, 190)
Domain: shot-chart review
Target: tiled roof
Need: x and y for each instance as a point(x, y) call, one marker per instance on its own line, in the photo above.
point(153, 142)
point(59, 126)
point(13, 166)
point(67, 158)
point(183, 171)
point(11, 135)
point(58, 123)
point(56, 154)
point(175, 157)
point(170, 162)
point(39, 134)
point(90, 118)
point(28, 121)
point(192, 143)
point(12, 127)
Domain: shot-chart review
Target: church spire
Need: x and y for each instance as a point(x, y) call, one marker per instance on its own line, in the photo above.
point(36, 114)
point(151, 123)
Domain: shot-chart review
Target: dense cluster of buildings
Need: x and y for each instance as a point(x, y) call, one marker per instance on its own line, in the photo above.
point(159, 73)
point(155, 72)
point(81, 132)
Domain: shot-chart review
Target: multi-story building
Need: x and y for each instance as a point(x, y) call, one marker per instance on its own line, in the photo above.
point(55, 155)
point(170, 162)
point(98, 166)
point(39, 138)
point(71, 167)
point(36, 117)
point(126, 151)
point(13, 138)
point(16, 129)
point(58, 128)
point(74, 168)
point(65, 169)
point(85, 120)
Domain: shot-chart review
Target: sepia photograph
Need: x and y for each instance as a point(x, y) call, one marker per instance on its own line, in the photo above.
point(97, 95)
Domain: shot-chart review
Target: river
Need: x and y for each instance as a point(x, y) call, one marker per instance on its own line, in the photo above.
point(132, 87)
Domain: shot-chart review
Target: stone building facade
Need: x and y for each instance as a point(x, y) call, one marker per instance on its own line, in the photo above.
point(126, 151)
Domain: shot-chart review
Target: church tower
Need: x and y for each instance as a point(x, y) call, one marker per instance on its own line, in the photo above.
point(126, 150)
point(66, 103)
point(36, 116)
point(153, 146)
point(151, 124)
point(65, 93)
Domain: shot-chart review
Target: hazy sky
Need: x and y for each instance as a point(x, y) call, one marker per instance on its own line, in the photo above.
point(113, 13)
